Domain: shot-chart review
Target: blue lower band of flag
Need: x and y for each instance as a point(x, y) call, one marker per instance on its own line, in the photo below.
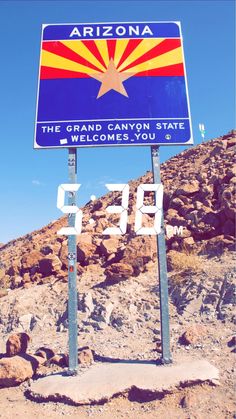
point(148, 97)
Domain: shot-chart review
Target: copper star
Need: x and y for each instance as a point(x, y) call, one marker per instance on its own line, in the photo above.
point(111, 80)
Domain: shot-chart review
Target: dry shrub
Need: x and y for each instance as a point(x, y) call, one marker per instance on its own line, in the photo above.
point(5, 282)
point(184, 262)
point(3, 293)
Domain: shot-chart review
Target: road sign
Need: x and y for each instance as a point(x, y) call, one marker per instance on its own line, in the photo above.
point(202, 130)
point(109, 84)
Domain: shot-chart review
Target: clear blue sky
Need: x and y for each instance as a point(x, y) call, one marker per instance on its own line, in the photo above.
point(29, 178)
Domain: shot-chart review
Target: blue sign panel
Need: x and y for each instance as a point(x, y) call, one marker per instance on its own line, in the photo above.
point(109, 84)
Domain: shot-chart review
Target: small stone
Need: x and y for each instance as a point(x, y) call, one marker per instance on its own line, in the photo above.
point(147, 316)
point(26, 278)
point(188, 243)
point(46, 250)
point(193, 335)
point(45, 353)
point(88, 303)
point(17, 343)
point(25, 321)
point(217, 150)
point(2, 273)
point(215, 382)
point(232, 342)
point(158, 345)
point(3, 293)
point(85, 356)
point(108, 310)
point(189, 401)
point(117, 322)
point(133, 309)
point(100, 325)
point(97, 205)
point(59, 360)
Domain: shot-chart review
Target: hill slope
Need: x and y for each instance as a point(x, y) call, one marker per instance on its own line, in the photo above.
point(199, 186)
point(118, 293)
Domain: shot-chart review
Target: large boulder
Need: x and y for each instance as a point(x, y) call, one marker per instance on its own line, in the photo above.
point(188, 188)
point(49, 265)
point(14, 268)
point(231, 142)
point(85, 249)
point(229, 228)
point(97, 205)
point(174, 218)
point(139, 252)
point(118, 272)
point(31, 260)
point(177, 203)
point(109, 246)
point(212, 219)
point(218, 149)
point(15, 370)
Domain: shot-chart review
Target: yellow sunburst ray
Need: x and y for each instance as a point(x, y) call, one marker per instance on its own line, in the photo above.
point(80, 48)
point(120, 48)
point(145, 46)
point(49, 59)
point(169, 58)
point(102, 47)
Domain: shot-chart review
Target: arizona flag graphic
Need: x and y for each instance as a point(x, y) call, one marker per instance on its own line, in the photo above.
point(103, 84)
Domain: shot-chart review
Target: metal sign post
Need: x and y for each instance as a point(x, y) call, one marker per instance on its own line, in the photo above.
point(72, 271)
point(162, 270)
point(112, 84)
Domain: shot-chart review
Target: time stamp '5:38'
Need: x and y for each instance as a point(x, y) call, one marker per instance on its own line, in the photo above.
point(116, 209)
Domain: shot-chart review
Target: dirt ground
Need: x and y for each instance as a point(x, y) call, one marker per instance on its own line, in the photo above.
point(195, 402)
point(136, 338)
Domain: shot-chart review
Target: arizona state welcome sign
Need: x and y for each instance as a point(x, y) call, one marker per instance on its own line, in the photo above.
point(112, 84)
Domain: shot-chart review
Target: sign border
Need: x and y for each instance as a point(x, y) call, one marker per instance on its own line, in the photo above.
point(189, 142)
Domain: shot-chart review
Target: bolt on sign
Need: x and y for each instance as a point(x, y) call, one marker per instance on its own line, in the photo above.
point(108, 84)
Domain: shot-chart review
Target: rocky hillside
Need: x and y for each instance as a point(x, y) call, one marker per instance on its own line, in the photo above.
point(118, 309)
point(199, 186)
